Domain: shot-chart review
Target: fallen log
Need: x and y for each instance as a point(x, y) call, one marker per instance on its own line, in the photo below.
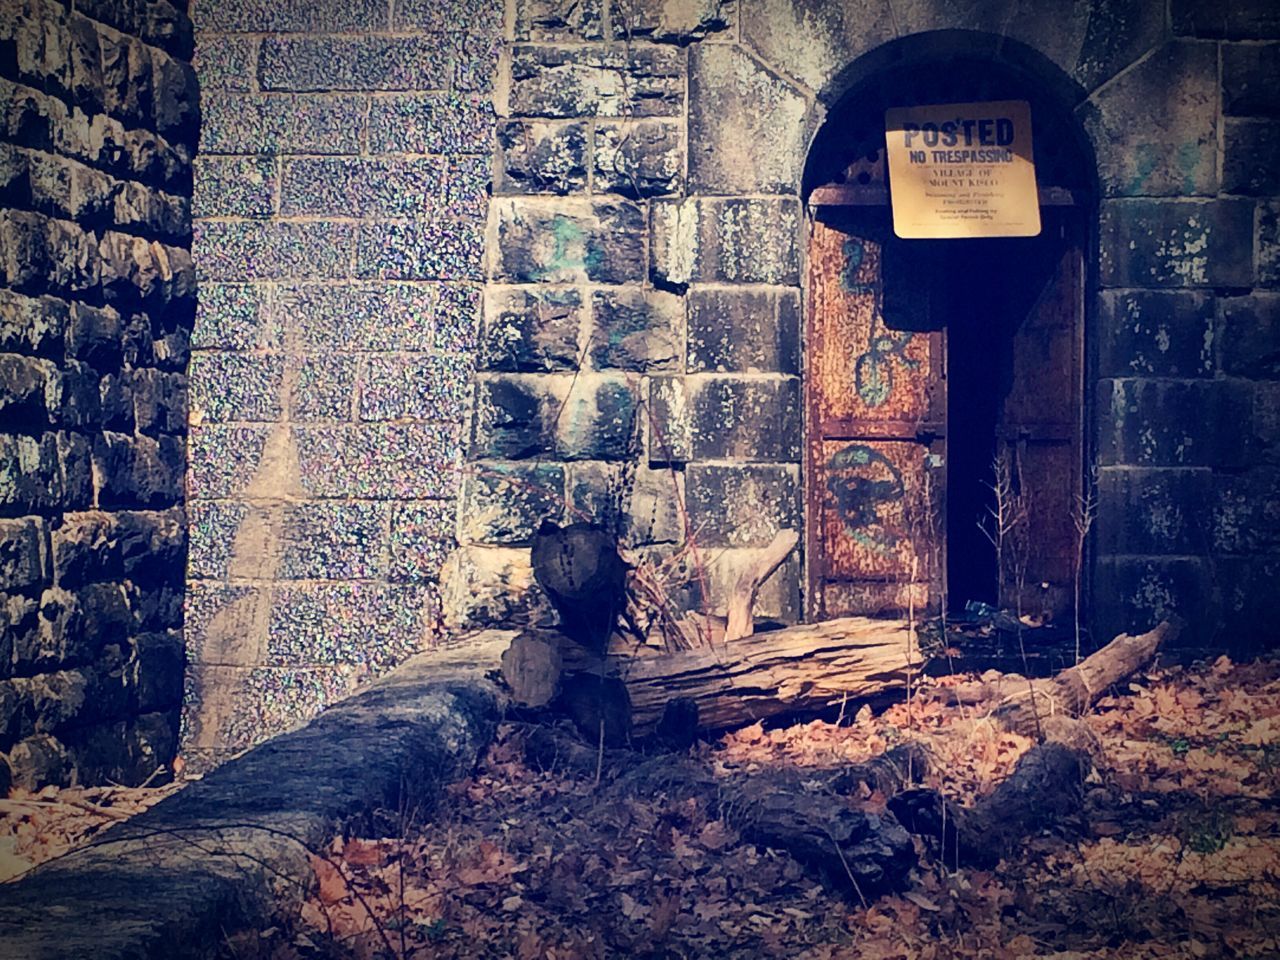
point(801, 668)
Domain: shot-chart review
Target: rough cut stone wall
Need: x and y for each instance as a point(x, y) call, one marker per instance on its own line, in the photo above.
point(643, 273)
point(98, 121)
point(340, 200)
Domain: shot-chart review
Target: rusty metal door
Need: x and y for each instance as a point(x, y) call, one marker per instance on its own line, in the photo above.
point(875, 418)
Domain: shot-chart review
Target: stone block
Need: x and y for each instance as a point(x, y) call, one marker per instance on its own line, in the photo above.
point(40, 761)
point(127, 16)
point(512, 418)
point(1173, 423)
point(1134, 594)
point(94, 335)
point(138, 471)
point(323, 388)
point(584, 81)
point(531, 330)
point(1156, 333)
point(480, 16)
point(127, 77)
point(813, 40)
point(379, 461)
point(137, 272)
point(153, 546)
point(30, 474)
point(84, 57)
point(1242, 20)
point(467, 185)
point(167, 26)
point(32, 324)
point(457, 318)
point(504, 503)
point(1155, 128)
point(235, 387)
point(1250, 77)
point(144, 210)
point(224, 459)
point(1267, 244)
point(253, 250)
point(156, 671)
point(440, 250)
point(416, 388)
point(72, 191)
point(1266, 423)
point(422, 534)
point(226, 63)
point(30, 393)
point(156, 607)
point(1152, 511)
point(754, 419)
point(1250, 605)
point(106, 613)
point(747, 126)
point(778, 600)
point(291, 16)
point(234, 187)
point(670, 427)
point(358, 624)
point(350, 317)
point(350, 187)
point(638, 158)
point(550, 21)
point(725, 240)
point(212, 530)
point(1176, 243)
point(541, 157)
point(115, 403)
point(1116, 34)
point(38, 254)
point(325, 63)
point(476, 63)
point(86, 548)
point(1245, 517)
point(159, 401)
point(743, 506)
point(80, 404)
point(576, 241)
point(306, 123)
point(177, 101)
point(76, 470)
point(743, 331)
point(483, 585)
point(1251, 158)
point(598, 420)
point(636, 329)
point(431, 123)
point(673, 21)
point(21, 563)
point(333, 541)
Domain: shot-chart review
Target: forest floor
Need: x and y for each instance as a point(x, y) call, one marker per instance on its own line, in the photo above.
point(1177, 853)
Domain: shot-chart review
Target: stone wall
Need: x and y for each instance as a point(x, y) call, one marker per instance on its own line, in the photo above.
point(99, 110)
point(340, 200)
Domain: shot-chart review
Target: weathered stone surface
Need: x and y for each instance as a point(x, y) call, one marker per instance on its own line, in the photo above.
point(743, 506)
point(672, 21)
point(30, 474)
point(567, 242)
point(1160, 334)
point(226, 63)
point(1245, 20)
point(1154, 130)
point(236, 386)
point(177, 101)
point(420, 250)
point(743, 331)
point(138, 471)
point(552, 20)
point(21, 565)
point(30, 393)
point(753, 419)
point(256, 123)
point(813, 40)
point(1267, 244)
point(431, 123)
point(1249, 605)
point(1172, 423)
point(422, 534)
point(1152, 511)
point(541, 157)
point(333, 541)
point(549, 81)
point(670, 426)
point(510, 418)
point(324, 63)
point(1251, 157)
point(38, 761)
point(1117, 34)
point(504, 503)
point(1136, 593)
point(31, 324)
point(290, 16)
point(1246, 512)
point(1265, 440)
point(645, 506)
point(350, 187)
point(1250, 77)
point(599, 419)
point(253, 250)
point(480, 16)
point(531, 330)
point(636, 329)
point(1173, 243)
point(747, 129)
point(483, 585)
point(638, 158)
point(234, 186)
point(407, 461)
point(321, 387)
point(349, 625)
point(94, 335)
point(1249, 336)
point(86, 548)
point(127, 78)
point(416, 388)
point(730, 241)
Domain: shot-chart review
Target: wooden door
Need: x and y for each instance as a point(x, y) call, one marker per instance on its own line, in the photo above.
point(876, 434)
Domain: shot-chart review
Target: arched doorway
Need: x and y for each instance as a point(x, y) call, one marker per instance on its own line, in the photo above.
point(944, 378)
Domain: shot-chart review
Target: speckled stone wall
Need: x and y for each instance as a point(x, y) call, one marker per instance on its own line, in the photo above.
point(98, 123)
point(340, 199)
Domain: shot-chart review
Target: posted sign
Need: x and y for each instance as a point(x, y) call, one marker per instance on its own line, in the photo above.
point(962, 170)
